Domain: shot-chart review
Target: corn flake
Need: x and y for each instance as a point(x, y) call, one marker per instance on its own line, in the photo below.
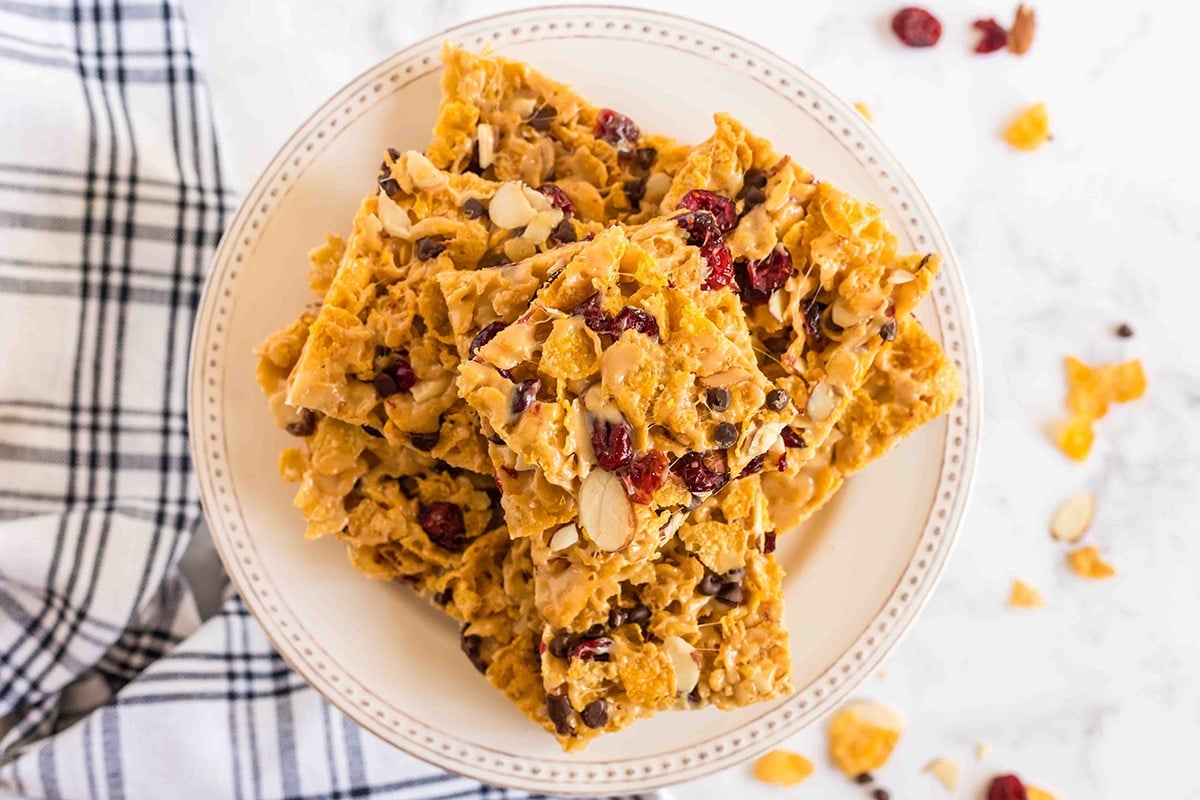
point(1033, 793)
point(1090, 391)
point(862, 737)
point(1086, 563)
point(1075, 438)
point(1024, 596)
point(1031, 128)
point(782, 767)
point(865, 110)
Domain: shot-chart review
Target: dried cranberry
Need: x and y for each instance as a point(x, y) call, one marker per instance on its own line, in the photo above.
point(754, 466)
point(792, 439)
point(702, 472)
point(558, 198)
point(994, 37)
point(781, 462)
point(769, 542)
point(594, 315)
point(758, 280)
point(401, 372)
point(612, 443)
point(1006, 787)
point(443, 523)
point(719, 206)
point(618, 130)
point(702, 231)
point(916, 27)
point(700, 226)
point(484, 336)
point(592, 649)
point(630, 318)
point(523, 395)
point(645, 476)
point(812, 326)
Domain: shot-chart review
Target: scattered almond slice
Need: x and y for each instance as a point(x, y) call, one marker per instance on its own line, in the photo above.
point(1030, 129)
point(604, 510)
point(1034, 793)
point(783, 768)
point(1073, 517)
point(865, 110)
point(1020, 37)
point(1024, 596)
point(982, 750)
point(1086, 563)
point(945, 770)
point(862, 736)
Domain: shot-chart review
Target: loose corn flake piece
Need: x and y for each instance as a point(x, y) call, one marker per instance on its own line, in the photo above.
point(1090, 391)
point(862, 737)
point(865, 110)
point(782, 767)
point(1024, 596)
point(1075, 438)
point(1034, 793)
point(1030, 129)
point(1086, 563)
point(946, 770)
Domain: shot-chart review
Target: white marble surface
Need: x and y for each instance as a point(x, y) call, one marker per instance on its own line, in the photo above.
point(1098, 695)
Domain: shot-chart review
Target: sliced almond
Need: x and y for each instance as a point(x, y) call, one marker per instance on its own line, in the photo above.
point(685, 661)
point(726, 377)
point(519, 249)
point(485, 135)
point(900, 276)
point(843, 316)
point(422, 171)
point(539, 228)
point(776, 305)
point(1073, 517)
point(509, 207)
point(657, 186)
point(394, 219)
point(424, 391)
point(1020, 38)
point(821, 402)
point(564, 537)
point(604, 511)
point(523, 106)
point(539, 201)
point(945, 770)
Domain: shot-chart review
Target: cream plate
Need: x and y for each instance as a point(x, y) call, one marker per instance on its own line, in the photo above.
point(858, 574)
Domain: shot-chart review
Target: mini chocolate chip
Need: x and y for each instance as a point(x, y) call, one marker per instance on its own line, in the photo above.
point(617, 617)
point(888, 331)
point(424, 441)
point(730, 594)
point(709, 585)
point(558, 706)
point(381, 290)
point(541, 118)
point(445, 596)
point(726, 434)
point(864, 778)
point(560, 645)
point(523, 395)
point(385, 384)
point(777, 399)
point(753, 197)
point(1124, 331)
point(493, 259)
point(382, 351)
point(638, 614)
point(718, 398)
point(428, 247)
point(755, 177)
point(595, 713)
point(369, 431)
point(644, 157)
point(635, 191)
point(736, 574)
point(470, 646)
point(563, 233)
point(474, 208)
point(594, 632)
point(306, 425)
point(881, 794)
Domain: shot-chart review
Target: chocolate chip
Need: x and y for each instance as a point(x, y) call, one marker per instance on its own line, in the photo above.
point(470, 646)
point(709, 585)
point(306, 425)
point(594, 632)
point(369, 431)
point(493, 259)
point(730, 594)
point(558, 706)
point(735, 575)
point(635, 191)
point(445, 596)
point(474, 208)
point(424, 441)
point(718, 398)
point(777, 399)
point(428, 247)
point(726, 434)
point(1124, 331)
point(381, 290)
point(755, 177)
point(638, 614)
point(523, 394)
point(644, 157)
point(563, 233)
point(385, 384)
point(595, 713)
point(864, 778)
point(541, 118)
point(616, 617)
point(752, 198)
point(888, 331)
point(881, 794)
point(386, 182)
point(560, 645)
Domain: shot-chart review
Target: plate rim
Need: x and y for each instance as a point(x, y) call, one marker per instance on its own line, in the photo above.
point(780, 718)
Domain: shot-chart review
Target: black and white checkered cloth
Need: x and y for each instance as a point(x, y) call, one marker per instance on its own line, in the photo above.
point(111, 686)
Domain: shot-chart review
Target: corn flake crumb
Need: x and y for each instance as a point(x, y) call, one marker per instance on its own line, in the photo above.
point(782, 767)
point(1090, 392)
point(1025, 596)
point(865, 110)
point(1031, 128)
point(945, 770)
point(1086, 563)
point(1033, 793)
point(862, 737)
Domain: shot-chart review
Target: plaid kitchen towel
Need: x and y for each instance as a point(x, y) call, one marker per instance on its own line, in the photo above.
point(111, 686)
